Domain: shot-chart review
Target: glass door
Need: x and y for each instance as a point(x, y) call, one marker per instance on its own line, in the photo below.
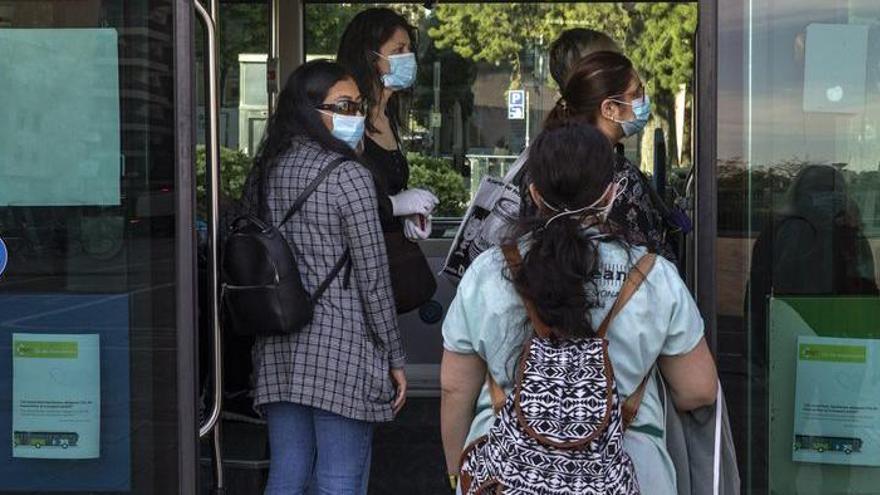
point(97, 375)
point(798, 244)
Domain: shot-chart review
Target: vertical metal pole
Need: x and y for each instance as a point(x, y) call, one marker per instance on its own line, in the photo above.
point(272, 82)
point(528, 120)
point(212, 104)
point(213, 156)
point(706, 200)
point(436, 107)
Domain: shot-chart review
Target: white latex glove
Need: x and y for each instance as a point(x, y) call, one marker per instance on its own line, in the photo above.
point(412, 227)
point(413, 202)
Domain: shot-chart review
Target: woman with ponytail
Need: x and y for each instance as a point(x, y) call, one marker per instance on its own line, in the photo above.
point(574, 262)
point(605, 90)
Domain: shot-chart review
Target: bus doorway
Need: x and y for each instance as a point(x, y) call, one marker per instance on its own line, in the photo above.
point(460, 126)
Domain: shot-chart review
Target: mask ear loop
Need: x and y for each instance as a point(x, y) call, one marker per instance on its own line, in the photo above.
point(566, 212)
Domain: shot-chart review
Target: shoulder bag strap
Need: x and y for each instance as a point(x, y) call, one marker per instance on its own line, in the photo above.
point(301, 199)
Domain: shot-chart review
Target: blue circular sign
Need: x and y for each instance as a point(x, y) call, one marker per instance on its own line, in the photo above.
point(3, 256)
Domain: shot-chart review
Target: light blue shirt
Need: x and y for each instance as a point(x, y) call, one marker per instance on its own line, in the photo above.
point(487, 318)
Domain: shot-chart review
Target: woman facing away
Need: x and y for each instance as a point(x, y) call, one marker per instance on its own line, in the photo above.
point(574, 264)
point(377, 48)
point(323, 389)
point(605, 90)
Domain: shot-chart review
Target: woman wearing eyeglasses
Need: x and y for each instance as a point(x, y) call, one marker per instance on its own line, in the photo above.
point(323, 389)
point(377, 48)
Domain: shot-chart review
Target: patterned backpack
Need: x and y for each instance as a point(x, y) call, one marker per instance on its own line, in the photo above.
point(561, 430)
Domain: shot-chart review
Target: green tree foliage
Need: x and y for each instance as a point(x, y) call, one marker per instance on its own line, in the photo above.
point(244, 28)
point(661, 44)
point(457, 77)
point(234, 168)
point(503, 32)
point(658, 38)
point(491, 33)
point(438, 176)
point(325, 23)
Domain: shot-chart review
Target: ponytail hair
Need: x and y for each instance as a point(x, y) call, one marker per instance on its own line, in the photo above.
point(592, 80)
point(571, 165)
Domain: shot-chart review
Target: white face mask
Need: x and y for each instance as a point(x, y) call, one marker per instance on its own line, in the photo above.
point(601, 212)
point(347, 128)
point(403, 69)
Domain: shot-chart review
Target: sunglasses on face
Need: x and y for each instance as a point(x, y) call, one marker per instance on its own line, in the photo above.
point(345, 107)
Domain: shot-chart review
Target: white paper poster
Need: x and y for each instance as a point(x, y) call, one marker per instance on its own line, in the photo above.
point(837, 401)
point(60, 120)
point(56, 396)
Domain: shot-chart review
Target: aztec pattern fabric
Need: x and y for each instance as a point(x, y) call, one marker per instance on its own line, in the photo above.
point(560, 432)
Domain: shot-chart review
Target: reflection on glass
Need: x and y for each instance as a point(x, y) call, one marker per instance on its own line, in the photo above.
point(88, 330)
point(799, 230)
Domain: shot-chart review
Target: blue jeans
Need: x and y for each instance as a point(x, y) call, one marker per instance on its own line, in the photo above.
point(311, 446)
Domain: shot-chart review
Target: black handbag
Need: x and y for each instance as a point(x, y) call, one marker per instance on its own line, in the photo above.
point(411, 277)
point(262, 291)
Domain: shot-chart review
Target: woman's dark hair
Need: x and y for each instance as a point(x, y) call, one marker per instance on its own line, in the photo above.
point(571, 165)
point(573, 45)
point(362, 38)
point(592, 80)
point(296, 114)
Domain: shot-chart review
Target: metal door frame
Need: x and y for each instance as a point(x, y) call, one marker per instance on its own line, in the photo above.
point(706, 211)
point(185, 255)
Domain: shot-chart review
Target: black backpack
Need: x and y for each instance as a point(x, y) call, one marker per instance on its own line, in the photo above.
point(262, 291)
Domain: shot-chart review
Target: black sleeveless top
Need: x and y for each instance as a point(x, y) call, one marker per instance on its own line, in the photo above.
point(391, 172)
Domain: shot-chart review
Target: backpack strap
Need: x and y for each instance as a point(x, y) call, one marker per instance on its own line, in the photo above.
point(301, 199)
point(340, 264)
point(630, 407)
point(633, 281)
point(496, 393)
point(297, 205)
point(514, 261)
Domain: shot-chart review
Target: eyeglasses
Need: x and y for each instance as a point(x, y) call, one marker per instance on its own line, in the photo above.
point(621, 98)
point(345, 107)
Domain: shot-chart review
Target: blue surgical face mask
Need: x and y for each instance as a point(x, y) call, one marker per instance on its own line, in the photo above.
point(403, 70)
point(641, 111)
point(347, 128)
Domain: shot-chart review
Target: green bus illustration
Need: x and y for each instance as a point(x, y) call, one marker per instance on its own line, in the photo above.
point(821, 444)
point(40, 439)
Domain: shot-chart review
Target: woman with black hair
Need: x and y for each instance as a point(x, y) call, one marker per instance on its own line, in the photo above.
point(322, 389)
point(574, 263)
point(605, 90)
point(378, 49)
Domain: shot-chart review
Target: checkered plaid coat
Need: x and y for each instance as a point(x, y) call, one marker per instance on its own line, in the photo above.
point(341, 361)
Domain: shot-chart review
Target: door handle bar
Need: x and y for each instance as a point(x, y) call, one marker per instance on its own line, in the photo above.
point(213, 178)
